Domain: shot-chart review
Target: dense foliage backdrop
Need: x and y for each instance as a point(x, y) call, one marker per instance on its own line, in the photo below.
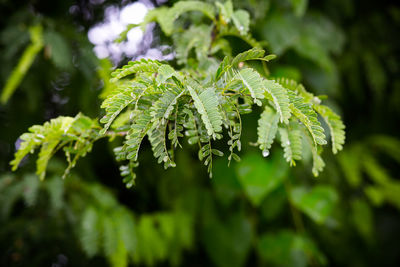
point(257, 212)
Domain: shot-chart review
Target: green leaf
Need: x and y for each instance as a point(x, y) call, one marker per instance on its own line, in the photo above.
point(55, 189)
point(253, 82)
point(259, 177)
point(362, 217)
point(241, 20)
point(166, 17)
point(226, 10)
point(217, 152)
point(162, 108)
point(59, 50)
point(24, 63)
point(29, 142)
point(291, 142)
point(89, 233)
point(267, 128)
point(298, 89)
point(143, 65)
point(351, 164)
point(278, 95)
point(46, 151)
point(126, 228)
point(223, 67)
point(318, 203)
point(286, 248)
point(52, 133)
point(207, 105)
point(164, 73)
point(110, 236)
point(136, 134)
point(387, 144)
point(254, 53)
point(282, 32)
point(126, 171)
point(152, 246)
point(157, 138)
point(306, 114)
point(299, 7)
point(336, 127)
point(114, 104)
point(386, 186)
point(197, 37)
point(318, 162)
point(31, 189)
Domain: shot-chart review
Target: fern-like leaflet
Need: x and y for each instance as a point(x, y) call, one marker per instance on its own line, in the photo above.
point(136, 134)
point(207, 105)
point(291, 142)
point(304, 112)
point(163, 107)
point(267, 128)
point(278, 95)
point(115, 103)
point(336, 126)
point(143, 65)
point(253, 82)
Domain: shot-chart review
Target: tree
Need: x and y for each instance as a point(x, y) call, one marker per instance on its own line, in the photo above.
point(219, 87)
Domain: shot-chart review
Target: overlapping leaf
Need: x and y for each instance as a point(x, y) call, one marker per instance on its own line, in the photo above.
point(278, 95)
point(206, 104)
point(336, 127)
point(292, 144)
point(305, 114)
point(266, 130)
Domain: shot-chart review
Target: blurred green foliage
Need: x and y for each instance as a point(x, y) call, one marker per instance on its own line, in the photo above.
point(258, 212)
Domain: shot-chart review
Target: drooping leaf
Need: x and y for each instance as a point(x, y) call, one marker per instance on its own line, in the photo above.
point(28, 142)
point(306, 114)
point(291, 142)
point(267, 128)
point(162, 108)
point(115, 103)
point(336, 126)
point(138, 131)
point(278, 95)
point(318, 162)
point(253, 82)
point(157, 138)
point(207, 105)
point(53, 131)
